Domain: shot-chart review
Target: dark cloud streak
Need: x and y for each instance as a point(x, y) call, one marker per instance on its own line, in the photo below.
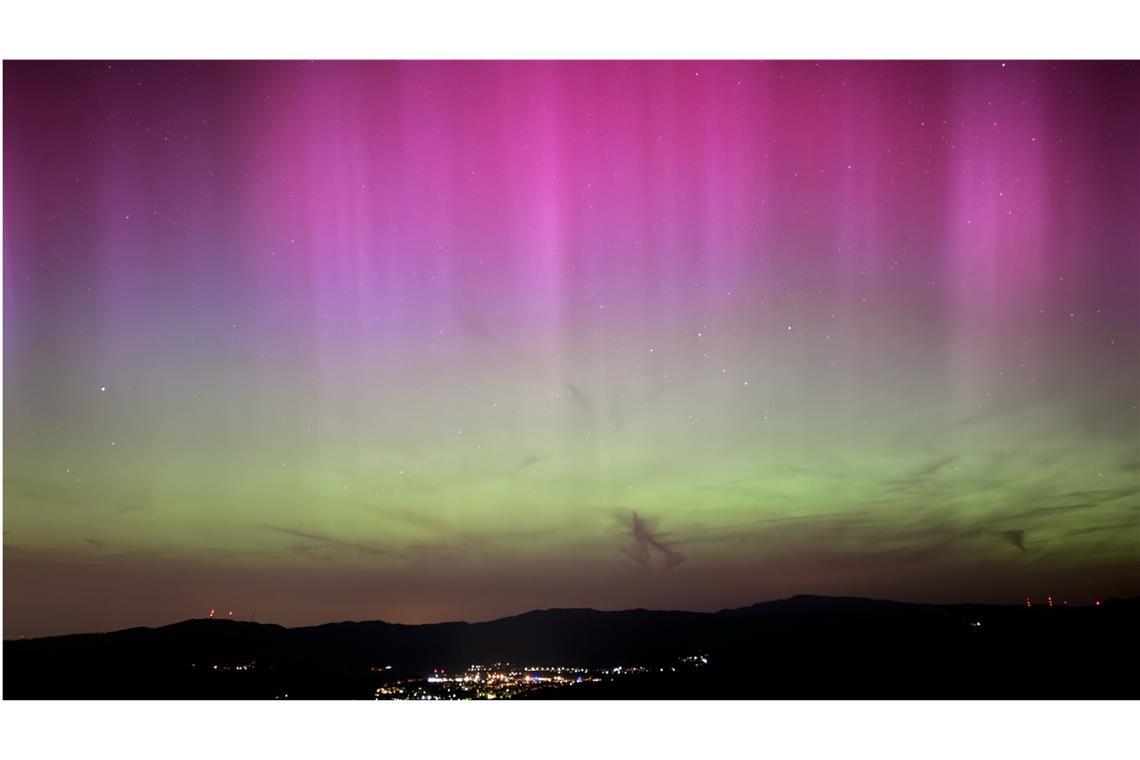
point(647, 541)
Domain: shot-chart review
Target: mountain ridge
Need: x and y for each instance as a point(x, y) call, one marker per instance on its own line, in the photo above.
point(825, 603)
point(801, 646)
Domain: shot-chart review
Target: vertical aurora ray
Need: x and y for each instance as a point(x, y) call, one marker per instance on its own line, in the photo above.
point(412, 340)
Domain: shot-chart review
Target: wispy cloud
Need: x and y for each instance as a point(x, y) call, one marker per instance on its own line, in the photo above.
point(1015, 537)
point(317, 544)
point(647, 543)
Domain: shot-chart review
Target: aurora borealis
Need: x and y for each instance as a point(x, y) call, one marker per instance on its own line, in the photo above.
point(423, 341)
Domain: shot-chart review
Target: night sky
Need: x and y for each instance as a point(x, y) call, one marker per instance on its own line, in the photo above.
point(423, 341)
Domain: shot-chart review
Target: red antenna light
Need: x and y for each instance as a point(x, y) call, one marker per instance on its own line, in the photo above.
point(230, 613)
point(1050, 599)
point(211, 612)
point(1028, 602)
point(1097, 602)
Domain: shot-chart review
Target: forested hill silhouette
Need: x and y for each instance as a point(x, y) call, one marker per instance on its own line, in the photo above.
point(801, 647)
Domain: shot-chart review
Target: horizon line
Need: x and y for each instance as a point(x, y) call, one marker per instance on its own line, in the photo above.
point(1050, 602)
